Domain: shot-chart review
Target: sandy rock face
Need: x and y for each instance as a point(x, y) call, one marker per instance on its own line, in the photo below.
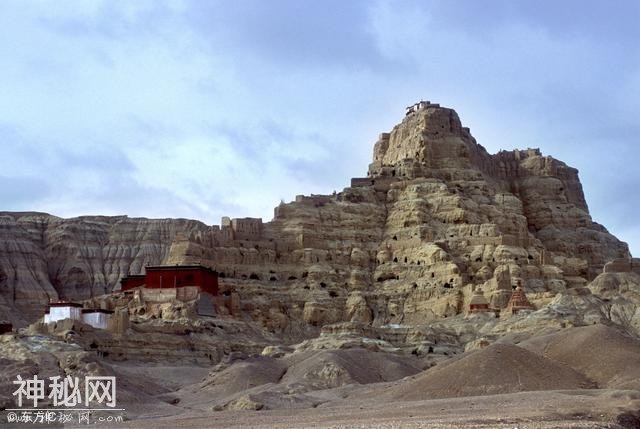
point(436, 217)
point(44, 257)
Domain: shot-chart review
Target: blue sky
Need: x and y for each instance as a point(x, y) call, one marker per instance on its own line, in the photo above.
point(208, 108)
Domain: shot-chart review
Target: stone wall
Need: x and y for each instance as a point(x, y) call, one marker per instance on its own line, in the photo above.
point(246, 228)
point(187, 293)
point(159, 295)
point(623, 265)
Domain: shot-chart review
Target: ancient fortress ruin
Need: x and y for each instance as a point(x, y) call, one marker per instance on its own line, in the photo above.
point(438, 228)
point(443, 271)
point(436, 218)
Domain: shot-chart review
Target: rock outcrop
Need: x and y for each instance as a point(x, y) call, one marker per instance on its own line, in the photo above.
point(436, 217)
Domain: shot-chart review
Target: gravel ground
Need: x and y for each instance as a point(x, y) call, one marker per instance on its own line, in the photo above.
point(527, 410)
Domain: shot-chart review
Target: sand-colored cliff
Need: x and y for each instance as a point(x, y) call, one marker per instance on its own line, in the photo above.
point(436, 217)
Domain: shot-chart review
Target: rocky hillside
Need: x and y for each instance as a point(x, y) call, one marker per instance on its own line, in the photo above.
point(435, 217)
point(351, 303)
point(43, 256)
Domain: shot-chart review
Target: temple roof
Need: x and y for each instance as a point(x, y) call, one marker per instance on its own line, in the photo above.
point(64, 304)
point(178, 267)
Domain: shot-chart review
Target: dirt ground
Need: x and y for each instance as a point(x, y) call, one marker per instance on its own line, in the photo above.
point(553, 381)
point(526, 410)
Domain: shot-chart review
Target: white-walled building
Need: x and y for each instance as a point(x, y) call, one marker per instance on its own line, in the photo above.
point(63, 310)
point(96, 317)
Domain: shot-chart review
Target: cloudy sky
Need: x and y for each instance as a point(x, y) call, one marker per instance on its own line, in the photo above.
point(201, 109)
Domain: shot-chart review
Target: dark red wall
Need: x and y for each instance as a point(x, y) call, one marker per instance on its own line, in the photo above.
point(206, 279)
point(131, 282)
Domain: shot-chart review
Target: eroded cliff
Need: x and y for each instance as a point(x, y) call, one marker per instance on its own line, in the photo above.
point(436, 217)
point(44, 257)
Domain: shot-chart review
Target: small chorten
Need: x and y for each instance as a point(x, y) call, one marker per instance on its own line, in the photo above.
point(519, 301)
point(478, 303)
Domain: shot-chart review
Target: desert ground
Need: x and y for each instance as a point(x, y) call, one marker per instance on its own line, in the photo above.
point(526, 410)
point(585, 377)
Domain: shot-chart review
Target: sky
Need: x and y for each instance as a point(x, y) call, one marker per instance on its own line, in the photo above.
point(204, 109)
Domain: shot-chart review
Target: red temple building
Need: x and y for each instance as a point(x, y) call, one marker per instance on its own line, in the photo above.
point(133, 281)
point(173, 277)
